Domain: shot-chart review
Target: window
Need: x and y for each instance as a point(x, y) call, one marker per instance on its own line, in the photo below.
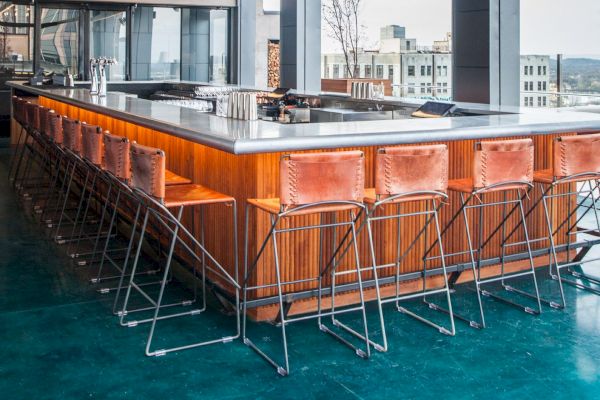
point(156, 44)
point(545, 86)
point(439, 70)
point(408, 45)
point(539, 86)
point(411, 89)
point(219, 46)
point(531, 70)
point(422, 70)
point(539, 69)
point(59, 44)
point(391, 73)
point(379, 72)
point(423, 88)
point(531, 86)
point(107, 38)
point(539, 101)
point(18, 49)
point(445, 69)
point(336, 71)
point(544, 101)
point(526, 70)
point(526, 102)
point(411, 70)
point(368, 72)
point(526, 84)
point(357, 71)
point(544, 69)
point(429, 70)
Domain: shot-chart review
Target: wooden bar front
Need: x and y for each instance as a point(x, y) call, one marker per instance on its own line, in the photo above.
point(257, 176)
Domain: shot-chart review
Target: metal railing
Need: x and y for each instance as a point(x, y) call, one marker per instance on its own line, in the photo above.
point(559, 99)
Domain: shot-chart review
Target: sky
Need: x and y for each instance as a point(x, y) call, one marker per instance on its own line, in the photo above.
point(571, 27)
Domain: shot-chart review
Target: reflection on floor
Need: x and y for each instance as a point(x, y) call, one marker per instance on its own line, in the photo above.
point(59, 340)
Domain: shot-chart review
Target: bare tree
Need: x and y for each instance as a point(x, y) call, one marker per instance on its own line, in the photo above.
point(342, 18)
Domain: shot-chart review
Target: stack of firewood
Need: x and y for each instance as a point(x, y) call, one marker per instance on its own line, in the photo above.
point(273, 64)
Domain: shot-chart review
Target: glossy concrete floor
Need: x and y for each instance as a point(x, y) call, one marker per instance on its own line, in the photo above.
point(58, 340)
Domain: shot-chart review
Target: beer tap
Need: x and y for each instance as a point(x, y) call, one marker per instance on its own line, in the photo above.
point(103, 62)
point(93, 76)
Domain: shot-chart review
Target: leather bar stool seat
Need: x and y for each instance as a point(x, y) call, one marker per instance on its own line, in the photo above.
point(166, 205)
point(302, 183)
point(408, 174)
point(312, 184)
point(193, 194)
point(171, 178)
point(500, 168)
point(575, 170)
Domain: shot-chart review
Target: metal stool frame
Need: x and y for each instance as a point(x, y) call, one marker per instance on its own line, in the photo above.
point(432, 215)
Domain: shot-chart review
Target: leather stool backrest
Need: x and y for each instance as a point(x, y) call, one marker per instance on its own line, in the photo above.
point(16, 108)
point(72, 134)
point(117, 160)
point(409, 169)
point(43, 120)
point(91, 143)
point(322, 177)
point(21, 110)
point(576, 155)
point(148, 170)
point(31, 114)
point(54, 126)
point(502, 161)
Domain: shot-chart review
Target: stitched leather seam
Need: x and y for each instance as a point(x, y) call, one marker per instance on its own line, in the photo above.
point(563, 159)
point(293, 182)
point(484, 166)
point(388, 174)
point(359, 179)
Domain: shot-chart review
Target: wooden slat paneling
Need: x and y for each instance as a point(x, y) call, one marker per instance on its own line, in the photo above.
point(257, 176)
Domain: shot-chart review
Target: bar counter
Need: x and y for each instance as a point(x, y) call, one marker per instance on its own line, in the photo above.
point(241, 158)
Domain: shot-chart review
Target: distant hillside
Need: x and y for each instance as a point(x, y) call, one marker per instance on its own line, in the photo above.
point(579, 74)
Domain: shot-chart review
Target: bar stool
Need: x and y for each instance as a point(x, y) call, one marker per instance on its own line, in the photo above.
point(121, 201)
point(54, 128)
point(576, 161)
point(148, 181)
point(117, 167)
point(30, 146)
point(92, 153)
point(20, 114)
point(17, 114)
point(316, 184)
point(404, 176)
point(72, 147)
point(504, 168)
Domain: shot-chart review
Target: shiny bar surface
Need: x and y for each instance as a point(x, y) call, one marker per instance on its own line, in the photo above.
point(254, 137)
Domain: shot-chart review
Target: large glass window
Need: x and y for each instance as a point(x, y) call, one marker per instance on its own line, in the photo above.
point(574, 48)
point(107, 39)
point(156, 43)
point(16, 40)
point(205, 45)
point(219, 45)
point(416, 38)
point(60, 40)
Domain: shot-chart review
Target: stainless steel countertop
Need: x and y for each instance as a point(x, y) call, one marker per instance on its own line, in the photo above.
point(250, 137)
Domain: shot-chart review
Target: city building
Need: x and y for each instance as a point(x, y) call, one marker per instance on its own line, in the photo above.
point(535, 81)
point(413, 73)
point(419, 72)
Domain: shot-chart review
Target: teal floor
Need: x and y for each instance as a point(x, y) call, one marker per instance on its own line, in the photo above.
point(58, 340)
